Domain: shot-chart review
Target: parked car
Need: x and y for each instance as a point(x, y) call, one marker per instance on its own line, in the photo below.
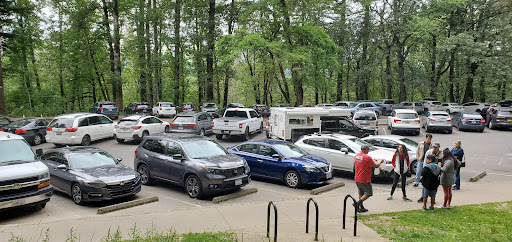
point(472, 107)
point(501, 117)
point(79, 128)
point(452, 108)
point(429, 105)
point(238, 121)
point(197, 163)
point(4, 121)
point(343, 104)
point(137, 127)
point(106, 108)
point(404, 120)
point(340, 151)
point(416, 106)
point(367, 106)
point(231, 105)
point(366, 119)
point(261, 109)
point(188, 107)
point(138, 108)
point(33, 130)
point(164, 109)
point(88, 174)
point(282, 105)
point(192, 123)
point(505, 103)
point(391, 143)
point(24, 181)
point(437, 120)
point(283, 161)
point(468, 121)
point(386, 105)
point(324, 105)
point(210, 108)
point(345, 126)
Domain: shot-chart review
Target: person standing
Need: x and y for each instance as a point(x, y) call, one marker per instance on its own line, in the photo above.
point(458, 152)
point(423, 146)
point(401, 163)
point(489, 114)
point(363, 165)
point(430, 181)
point(447, 176)
point(438, 156)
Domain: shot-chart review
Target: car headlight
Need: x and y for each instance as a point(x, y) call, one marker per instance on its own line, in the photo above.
point(95, 184)
point(212, 170)
point(247, 168)
point(44, 176)
point(310, 168)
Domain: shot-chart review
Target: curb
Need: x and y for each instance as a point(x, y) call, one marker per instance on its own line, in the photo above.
point(234, 195)
point(326, 188)
point(125, 205)
point(477, 176)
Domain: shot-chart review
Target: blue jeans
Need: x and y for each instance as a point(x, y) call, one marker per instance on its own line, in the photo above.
point(419, 168)
point(457, 178)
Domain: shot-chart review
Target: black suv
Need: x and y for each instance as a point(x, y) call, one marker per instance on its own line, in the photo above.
point(345, 126)
point(195, 162)
point(106, 108)
point(501, 117)
point(138, 108)
point(4, 121)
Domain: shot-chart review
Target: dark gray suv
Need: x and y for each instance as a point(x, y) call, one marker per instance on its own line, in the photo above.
point(195, 162)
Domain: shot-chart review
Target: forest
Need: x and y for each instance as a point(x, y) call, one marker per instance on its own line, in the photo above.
point(59, 56)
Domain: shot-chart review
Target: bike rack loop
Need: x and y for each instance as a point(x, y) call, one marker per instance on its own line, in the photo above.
point(307, 217)
point(275, 221)
point(345, 211)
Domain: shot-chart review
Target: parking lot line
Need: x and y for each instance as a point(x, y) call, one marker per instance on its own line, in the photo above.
point(421, 131)
point(385, 132)
point(266, 189)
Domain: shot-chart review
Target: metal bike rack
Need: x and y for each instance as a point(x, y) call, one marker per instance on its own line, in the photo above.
point(345, 212)
point(275, 221)
point(307, 217)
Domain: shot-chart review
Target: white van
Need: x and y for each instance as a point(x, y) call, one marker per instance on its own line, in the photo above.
point(79, 128)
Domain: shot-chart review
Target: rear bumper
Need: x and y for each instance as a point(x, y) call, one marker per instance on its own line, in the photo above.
point(440, 127)
point(62, 139)
point(27, 199)
point(183, 131)
point(407, 129)
point(502, 124)
point(471, 127)
point(127, 135)
point(228, 132)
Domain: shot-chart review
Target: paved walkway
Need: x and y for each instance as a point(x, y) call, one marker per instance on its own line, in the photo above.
point(249, 220)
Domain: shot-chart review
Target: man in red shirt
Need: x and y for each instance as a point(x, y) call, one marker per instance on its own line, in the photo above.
point(363, 167)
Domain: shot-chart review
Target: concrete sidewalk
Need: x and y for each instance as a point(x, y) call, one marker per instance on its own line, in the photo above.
point(249, 220)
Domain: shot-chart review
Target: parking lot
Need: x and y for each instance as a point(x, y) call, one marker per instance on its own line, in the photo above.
point(490, 151)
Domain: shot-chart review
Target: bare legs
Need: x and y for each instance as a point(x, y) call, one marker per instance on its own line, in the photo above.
point(447, 196)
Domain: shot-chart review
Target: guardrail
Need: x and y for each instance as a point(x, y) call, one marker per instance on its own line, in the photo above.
point(307, 217)
point(345, 212)
point(275, 220)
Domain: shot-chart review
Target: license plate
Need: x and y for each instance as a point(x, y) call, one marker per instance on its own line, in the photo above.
point(180, 127)
point(225, 131)
point(509, 120)
point(58, 133)
point(18, 202)
point(364, 122)
point(406, 122)
point(328, 175)
point(238, 182)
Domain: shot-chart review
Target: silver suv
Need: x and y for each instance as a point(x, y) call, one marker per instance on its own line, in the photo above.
point(437, 120)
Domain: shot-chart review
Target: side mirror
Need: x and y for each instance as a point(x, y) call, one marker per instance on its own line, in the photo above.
point(276, 156)
point(178, 157)
point(62, 167)
point(344, 150)
point(39, 152)
point(119, 159)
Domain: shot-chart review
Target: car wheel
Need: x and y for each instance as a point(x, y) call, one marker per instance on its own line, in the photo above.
point(267, 134)
point(450, 131)
point(201, 132)
point(491, 126)
point(448, 111)
point(392, 130)
point(218, 136)
point(41, 205)
point(412, 168)
point(427, 129)
point(193, 186)
point(246, 136)
point(145, 177)
point(166, 130)
point(481, 131)
point(261, 128)
point(76, 194)
point(292, 179)
point(120, 141)
point(58, 145)
point(86, 140)
point(145, 133)
point(38, 139)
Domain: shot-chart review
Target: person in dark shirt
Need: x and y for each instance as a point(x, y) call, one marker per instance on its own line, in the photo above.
point(458, 152)
point(430, 181)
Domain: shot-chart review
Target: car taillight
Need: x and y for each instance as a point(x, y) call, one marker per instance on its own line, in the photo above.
point(1, 130)
point(465, 120)
point(396, 120)
point(377, 122)
point(449, 120)
point(240, 126)
point(482, 121)
point(136, 127)
point(20, 131)
point(191, 125)
point(391, 105)
point(417, 121)
point(49, 129)
point(136, 152)
point(71, 130)
point(184, 109)
point(160, 109)
point(101, 109)
point(431, 119)
point(172, 125)
point(116, 126)
point(213, 124)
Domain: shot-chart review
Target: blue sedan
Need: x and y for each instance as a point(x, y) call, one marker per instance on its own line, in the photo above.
point(283, 161)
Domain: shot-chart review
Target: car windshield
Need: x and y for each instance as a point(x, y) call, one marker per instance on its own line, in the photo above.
point(356, 143)
point(19, 123)
point(407, 115)
point(166, 105)
point(241, 114)
point(15, 151)
point(353, 105)
point(290, 150)
point(365, 116)
point(142, 106)
point(203, 148)
point(210, 105)
point(183, 120)
point(342, 104)
point(409, 142)
point(84, 160)
point(127, 122)
point(439, 115)
point(61, 123)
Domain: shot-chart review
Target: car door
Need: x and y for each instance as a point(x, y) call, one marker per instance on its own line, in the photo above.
point(209, 123)
point(93, 129)
point(250, 153)
point(156, 158)
point(175, 169)
point(202, 122)
point(61, 178)
point(268, 166)
point(254, 121)
point(40, 127)
point(350, 128)
point(107, 127)
point(159, 125)
point(316, 146)
point(339, 160)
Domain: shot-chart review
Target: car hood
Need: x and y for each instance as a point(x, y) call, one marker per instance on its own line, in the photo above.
point(222, 161)
point(22, 170)
point(311, 160)
point(381, 154)
point(106, 173)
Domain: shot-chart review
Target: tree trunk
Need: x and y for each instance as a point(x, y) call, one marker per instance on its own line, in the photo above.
point(106, 27)
point(451, 74)
point(231, 19)
point(468, 92)
point(149, 60)
point(177, 51)
point(297, 85)
point(389, 77)
point(211, 48)
point(433, 86)
point(363, 71)
point(401, 68)
point(61, 50)
point(348, 80)
point(34, 64)
point(117, 55)
point(339, 85)
point(3, 111)
point(141, 49)
point(156, 54)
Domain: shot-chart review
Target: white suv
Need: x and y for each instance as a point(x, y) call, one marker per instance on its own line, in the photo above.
point(366, 119)
point(136, 127)
point(79, 128)
point(162, 109)
point(404, 120)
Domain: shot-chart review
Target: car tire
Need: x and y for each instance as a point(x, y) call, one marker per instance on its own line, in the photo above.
point(392, 130)
point(412, 168)
point(491, 126)
point(38, 139)
point(58, 145)
point(458, 128)
point(166, 130)
point(144, 134)
point(481, 131)
point(218, 136)
point(450, 131)
point(246, 135)
point(76, 194)
point(292, 179)
point(145, 176)
point(41, 205)
point(261, 128)
point(448, 111)
point(193, 187)
point(120, 141)
point(427, 129)
point(86, 140)
point(267, 134)
point(201, 132)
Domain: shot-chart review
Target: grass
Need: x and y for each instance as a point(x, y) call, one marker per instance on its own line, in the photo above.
point(482, 222)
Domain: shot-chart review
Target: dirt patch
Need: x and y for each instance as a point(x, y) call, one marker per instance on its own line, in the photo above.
point(382, 220)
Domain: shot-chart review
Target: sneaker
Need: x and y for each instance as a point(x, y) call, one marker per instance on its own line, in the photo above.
point(431, 208)
point(455, 188)
point(449, 207)
point(424, 208)
point(407, 199)
point(441, 206)
point(420, 200)
point(415, 185)
point(390, 197)
point(363, 210)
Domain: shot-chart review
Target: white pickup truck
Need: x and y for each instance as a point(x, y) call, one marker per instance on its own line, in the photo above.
point(238, 121)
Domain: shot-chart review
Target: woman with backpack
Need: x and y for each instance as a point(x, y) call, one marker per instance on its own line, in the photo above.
point(401, 163)
point(447, 179)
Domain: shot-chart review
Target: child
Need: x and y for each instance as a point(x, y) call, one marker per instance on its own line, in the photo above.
point(430, 181)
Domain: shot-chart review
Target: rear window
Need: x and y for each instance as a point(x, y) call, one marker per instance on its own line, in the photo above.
point(418, 104)
point(407, 115)
point(440, 116)
point(436, 103)
point(19, 123)
point(210, 105)
point(240, 114)
point(407, 104)
point(365, 116)
point(143, 106)
point(61, 123)
point(108, 105)
point(167, 105)
point(127, 122)
point(184, 120)
point(389, 102)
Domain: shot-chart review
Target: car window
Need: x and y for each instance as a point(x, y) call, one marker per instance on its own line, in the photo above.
point(203, 149)
point(345, 124)
point(127, 122)
point(335, 144)
point(47, 155)
point(209, 117)
point(439, 115)
point(407, 115)
point(155, 120)
point(375, 142)
point(389, 144)
point(365, 116)
point(266, 150)
point(83, 122)
point(249, 148)
point(84, 160)
point(201, 117)
point(504, 112)
point(146, 121)
point(241, 114)
point(40, 123)
point(61, 123)
point(174, 149)
point(56, 157)
point(318, 142)
point(290, 150)
point(157, 146)
point(94, 120)
point(105, 120)
point(253, 114)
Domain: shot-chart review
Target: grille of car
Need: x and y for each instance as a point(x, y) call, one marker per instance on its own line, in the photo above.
point(228, 173)
point(17, 181)
point(121, 189)
point(18, 191)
